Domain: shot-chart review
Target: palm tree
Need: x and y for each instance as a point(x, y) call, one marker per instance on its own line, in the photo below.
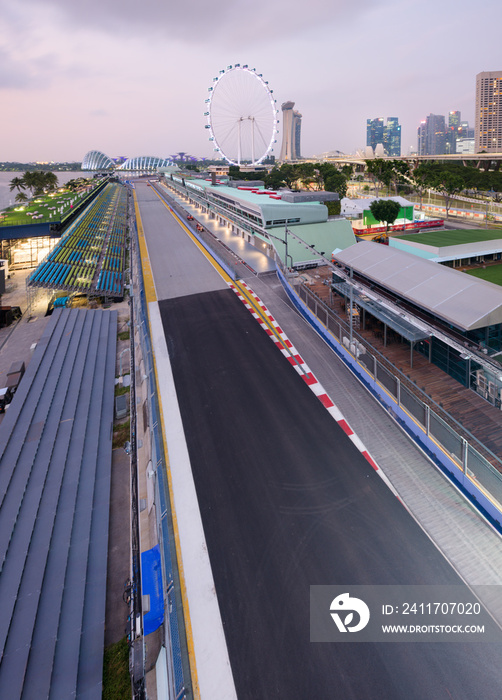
point(21, 197)
point(31, 181)
point(17, 183)
point(51, 182)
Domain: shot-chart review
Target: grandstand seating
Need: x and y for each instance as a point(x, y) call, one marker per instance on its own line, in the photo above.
point(90, 258)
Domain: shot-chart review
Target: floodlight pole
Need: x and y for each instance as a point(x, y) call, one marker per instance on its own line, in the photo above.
point(287, 255)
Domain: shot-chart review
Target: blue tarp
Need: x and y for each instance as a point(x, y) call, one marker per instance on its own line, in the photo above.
point(151, 576)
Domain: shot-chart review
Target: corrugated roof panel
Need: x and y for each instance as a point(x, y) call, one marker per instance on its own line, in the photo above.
point(54, 478)
point(75, 414)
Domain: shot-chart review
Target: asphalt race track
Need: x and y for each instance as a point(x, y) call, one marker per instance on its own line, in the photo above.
point(287, 501)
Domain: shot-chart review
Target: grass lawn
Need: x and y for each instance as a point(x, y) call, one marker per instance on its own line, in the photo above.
point(454, 237)
point(43, 208)
point(121, 433)
point(116, 678)
point(493, 273)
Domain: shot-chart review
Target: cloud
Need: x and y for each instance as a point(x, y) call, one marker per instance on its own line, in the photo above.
point(29, 73)
point(14, 74)
point(230, 22)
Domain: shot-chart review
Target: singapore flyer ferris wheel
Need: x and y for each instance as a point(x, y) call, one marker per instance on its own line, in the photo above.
point(241, 116)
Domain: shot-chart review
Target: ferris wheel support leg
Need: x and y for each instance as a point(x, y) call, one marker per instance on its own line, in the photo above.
point(252, 139)
point(239, 142)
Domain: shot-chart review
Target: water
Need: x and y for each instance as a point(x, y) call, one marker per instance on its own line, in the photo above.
point(8, 198)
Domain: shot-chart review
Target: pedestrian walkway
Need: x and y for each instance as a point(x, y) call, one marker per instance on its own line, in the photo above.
point(256, 259)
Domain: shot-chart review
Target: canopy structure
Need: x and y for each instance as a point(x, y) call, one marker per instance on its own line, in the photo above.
point(404, 328)
point(461, 300)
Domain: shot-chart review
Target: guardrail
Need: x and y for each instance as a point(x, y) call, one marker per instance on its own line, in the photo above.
point(463, 458)
point(173, 619)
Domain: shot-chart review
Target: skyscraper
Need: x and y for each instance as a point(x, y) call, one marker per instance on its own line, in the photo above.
point(488, 123)
point(291, 132)
point(453, 131)
point(392, 137)
point(432, 135)
point(387, 132)
point(466, 131)
point(297, 125)
point(374, 132)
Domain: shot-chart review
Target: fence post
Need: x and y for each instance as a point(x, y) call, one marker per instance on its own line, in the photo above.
point(398, 391)
point(465, 452)
point(427, 419)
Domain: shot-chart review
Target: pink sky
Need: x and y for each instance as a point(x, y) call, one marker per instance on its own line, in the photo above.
point(130, 78)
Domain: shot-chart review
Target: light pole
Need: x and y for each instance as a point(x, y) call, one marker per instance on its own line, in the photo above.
point(287, 255)
point(490, 194)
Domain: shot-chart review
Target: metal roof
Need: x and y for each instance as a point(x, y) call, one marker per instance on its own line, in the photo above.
point(464, 301)
point(440, 253)
point(268, 204)
point(55, 465)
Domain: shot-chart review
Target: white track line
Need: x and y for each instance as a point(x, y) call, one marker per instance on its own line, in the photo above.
point(210, 647)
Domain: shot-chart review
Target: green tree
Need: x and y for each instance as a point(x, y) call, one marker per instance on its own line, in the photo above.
point(21, 197)
point(76, 183)
point(399, 173)
point(380, 171)
point(423, 178)
point(325, 170)
point(385, 210)
point(34, 181)
point(17, 183)
point(448, 184)
point(306, 174)
point(274, 179)
point(289, 174)
point(334, 208)
point(51, 182)
point(336, 182)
